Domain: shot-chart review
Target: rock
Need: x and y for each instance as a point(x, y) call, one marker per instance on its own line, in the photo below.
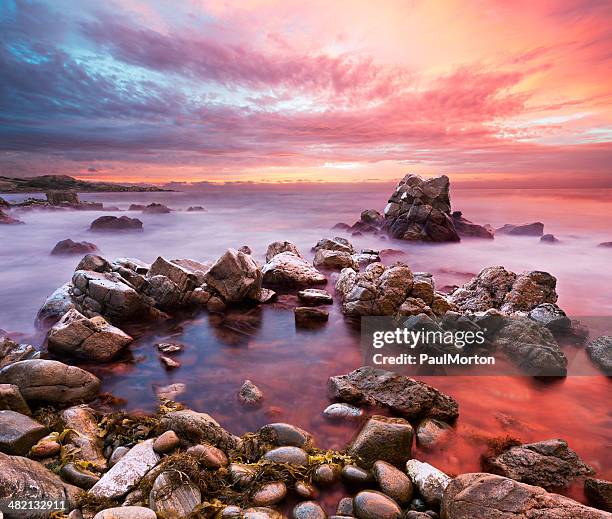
point(154, 208)
point(83, 435)
point(184, 278)
point(334, 244)
point(209, 456)
point(67, 247)
point(55, 306)
point(27, 479)
point(550, 464)
point(485, 495)
point(11, 351)
point(343, 412)
point(549, 239)
point(46, 447)
point(235, 276)
point(62, 197)
point(419, 210)
point(126, 512)
point(551, 316)
point(468, 229)
point(345, 507)
point(169, 363)
point(393, 482)
point(403, 395)
point(114, 223)
point(194, 428)
point(169, 347)
point(281, 246)
point(289, 270)
point(599, 493)
point(305, 490)
point(315, 296)
point(18, 432)
point(600, 351)
point(171, 391)
point(262, 512)
point(284, 434)
point(429, 481)
point(269, 494)
point(166, 442)
point(11, 399)
point(127, 472)
point(373, 217)
point(246, 249)
point(51, 381)
point(382, 438)
point(341, 226)
point(605, 244)
point(136, 207)
point(366, 257)
point(78, 476)
point(289, 455)
point(5, 219)
point(526, 229)
point(333, 259)
point(326, 475)
point(241, 475)
point(354, 476)
point(231, 512)
point(432, 432)
point(94, 339)
point(196, 208)
point(117, 454)
point(249, 394)
point(530, 290)
point(308, 510)
point(369, 504)
point(94, 262)
point(306, 316)
point(174, 495)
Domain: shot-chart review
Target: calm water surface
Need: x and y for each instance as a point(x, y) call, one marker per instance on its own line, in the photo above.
point(292, 366)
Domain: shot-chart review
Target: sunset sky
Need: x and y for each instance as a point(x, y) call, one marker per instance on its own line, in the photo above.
point(153, 90)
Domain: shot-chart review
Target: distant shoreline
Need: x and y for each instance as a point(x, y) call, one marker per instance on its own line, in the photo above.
point(10, 185)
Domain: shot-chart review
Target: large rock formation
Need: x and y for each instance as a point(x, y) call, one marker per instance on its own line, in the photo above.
point(420, 210)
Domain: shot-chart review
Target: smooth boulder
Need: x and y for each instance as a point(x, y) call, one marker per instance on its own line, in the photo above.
point(289, 270)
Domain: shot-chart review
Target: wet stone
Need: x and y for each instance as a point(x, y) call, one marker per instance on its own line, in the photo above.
point(326, 475)
point(393, 482)
point(269, 494)
point(169, 347)
point(305, 490)
point(211, 457)
point(78, 476)
point(290, 455)
point(284, 434)
point(370, 504)
point(355, 476)
point(18, 433)
point(250, 395)
point(342, 411)
point(345, 506)
point(166, 442)
point(309, 510)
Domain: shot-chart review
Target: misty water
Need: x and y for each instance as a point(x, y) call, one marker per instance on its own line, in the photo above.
point(292, 366)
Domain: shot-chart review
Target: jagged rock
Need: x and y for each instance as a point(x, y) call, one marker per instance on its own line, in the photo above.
point(127, 472)
point(94, 262)
point(600, 351)
point(530, 290)
point(126, 512)
point(11, 399)
point(82, 425)
point(334, 244)
point(599, 492)
point(19, 432)
point(284, 434)
point(50, 381)
point(430, 432)
point(468, 229)
point(235, 277)
point(430, 482)
point(486, 495)
point(154, 208)
point(289, 270)
point(27, 479)
point(249, 394)
point(114, 223)
point(55, 306)
point(315, 296)
point(365, 257)
point(393, 482)
point(403, 395)
point(526, 229)
point(193, 428)
point(184, 278)
point(95, 339)
point(420, 210)
point(11, 351)
point(174, 495)
point(549, 239)
point(334, 259)
point(67, 247)
point(281, 246)
point(382, 438)
point(550, 464)
point(370, 504)
point(373, 217)
point(551, 316)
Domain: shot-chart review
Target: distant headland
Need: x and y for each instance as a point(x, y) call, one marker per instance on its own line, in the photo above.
point(65, 183)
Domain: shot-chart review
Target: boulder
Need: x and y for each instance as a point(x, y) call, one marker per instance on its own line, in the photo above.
point(193, 427)
point(401, 394)
point(51, 381)
point(526, 229)
point(5, 219)
point(551, 316)
point(315, 296)
point(600, 351)
point(281, 246)
point(55, 306)
point(235, 277)
point(365, 257)
point(431, 432)
point(429, 481)
point(549, 239)
point(284, 434)
point(26, 479)
point(19, 432)
point(289, 270)
point(87, 338)
point(83, 435)
point(176, 271)
point(373, 217)
point(174, 495)
point(154, 208)
point(306, 316)
point(419, 210)
point(599, 493)
point(126, 512)
point(94, 262)
point(469, 496)
point(466, 228)
point(289, 455)
point(11, 351)
point(68, 247)
point(11, 399)
point(370, 504)
point(334, 259)
point(337, 244)
point(550, 464)
point(393, 482)
point(62, 198)
point(127, 472)
point(382, 438)
point(115, 223)
point(269, 493)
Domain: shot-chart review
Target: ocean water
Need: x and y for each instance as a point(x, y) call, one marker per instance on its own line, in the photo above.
point(292, 366)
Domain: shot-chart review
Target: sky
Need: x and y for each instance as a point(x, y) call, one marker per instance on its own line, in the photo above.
point(502, 93)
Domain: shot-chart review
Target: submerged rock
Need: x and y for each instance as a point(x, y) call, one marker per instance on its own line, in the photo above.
point(550, 464)
point(289, 270)
point(549, 239)
point(486, 495)
point(526, 229)
point(114, 223)
point(401, 394)
point(342, 411)
point(468, 229)
point(19, 432)
point(154, 208)
point(249, 394)
point(67, 247)
point(306, 316)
